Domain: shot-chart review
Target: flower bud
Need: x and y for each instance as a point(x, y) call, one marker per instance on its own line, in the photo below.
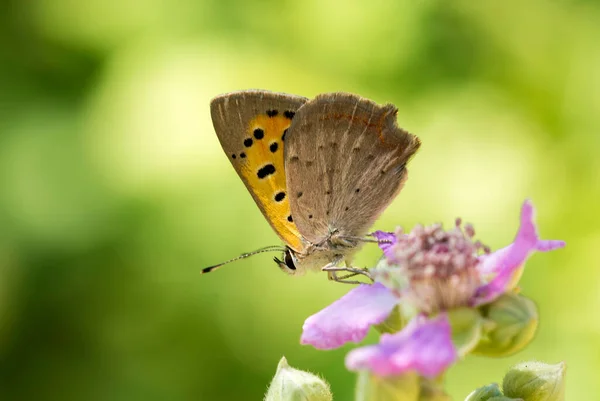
point(485, 393)
point(291, 384)
point(370, 387)
point(511, 323)
point(466, 329)
point(536, 381)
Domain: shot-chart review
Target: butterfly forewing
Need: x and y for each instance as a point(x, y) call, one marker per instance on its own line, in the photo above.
point(345, 161)
point(251, 126)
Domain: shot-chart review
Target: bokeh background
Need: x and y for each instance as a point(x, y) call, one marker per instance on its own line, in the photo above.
point(114, 191)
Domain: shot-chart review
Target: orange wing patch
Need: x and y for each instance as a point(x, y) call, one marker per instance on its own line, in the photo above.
point(262, 166)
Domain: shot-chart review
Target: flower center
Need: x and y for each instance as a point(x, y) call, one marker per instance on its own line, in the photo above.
point(441, 266)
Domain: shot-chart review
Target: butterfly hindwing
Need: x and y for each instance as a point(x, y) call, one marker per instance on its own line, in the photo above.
point(345, 162)
point(251, 126)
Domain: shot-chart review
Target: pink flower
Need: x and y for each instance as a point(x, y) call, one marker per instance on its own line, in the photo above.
point(440, 271)
point(424, 345)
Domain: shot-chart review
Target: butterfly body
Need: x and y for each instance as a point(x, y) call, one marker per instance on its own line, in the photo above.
point(320, 170)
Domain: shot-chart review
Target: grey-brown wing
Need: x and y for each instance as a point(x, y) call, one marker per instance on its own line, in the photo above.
point(345, 160)
point(250, 126)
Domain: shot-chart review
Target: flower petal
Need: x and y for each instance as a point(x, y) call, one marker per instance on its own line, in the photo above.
point(424, 345)
point(386, 241)
point(506, 262)
point(549, 245)
point(349, 318)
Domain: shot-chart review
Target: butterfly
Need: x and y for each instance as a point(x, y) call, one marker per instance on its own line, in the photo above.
point(320, 170)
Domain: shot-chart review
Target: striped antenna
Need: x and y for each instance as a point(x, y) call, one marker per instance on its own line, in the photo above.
point(363, 239)
point(272, 248)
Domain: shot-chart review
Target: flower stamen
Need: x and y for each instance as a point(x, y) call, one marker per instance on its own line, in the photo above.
point(441, 266)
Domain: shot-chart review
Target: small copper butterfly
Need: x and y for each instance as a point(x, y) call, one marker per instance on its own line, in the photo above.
point(321, 170)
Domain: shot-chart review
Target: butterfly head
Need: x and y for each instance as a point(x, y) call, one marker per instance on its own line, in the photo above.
point(298, 263)
point(312, 258)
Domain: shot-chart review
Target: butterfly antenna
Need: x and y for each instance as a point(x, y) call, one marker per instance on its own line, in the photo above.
point(272, 248)
point(363, 239)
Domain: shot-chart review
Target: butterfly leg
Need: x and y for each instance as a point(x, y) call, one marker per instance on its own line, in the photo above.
point(354, 271)
point(332, 269)
point(332, 274)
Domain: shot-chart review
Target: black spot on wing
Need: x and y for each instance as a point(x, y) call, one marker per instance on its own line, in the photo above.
point(248, 142)
point(265, 171)
point(259, 133)
point(272, 113)
point(273, 147)
point(280, 196)
point(289, 114)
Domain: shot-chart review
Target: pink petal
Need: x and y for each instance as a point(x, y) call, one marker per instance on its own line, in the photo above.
point(424, 345)
point(549, 245)
point(505, 262)
point(348, 318)
point(387, 240)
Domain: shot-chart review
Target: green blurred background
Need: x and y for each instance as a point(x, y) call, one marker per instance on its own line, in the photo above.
point(114, 191)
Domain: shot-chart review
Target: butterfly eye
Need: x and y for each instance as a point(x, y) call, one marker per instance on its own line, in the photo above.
point(289, 260)
point(287, 264)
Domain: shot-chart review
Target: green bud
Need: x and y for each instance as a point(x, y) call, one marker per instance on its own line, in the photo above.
point(394, 388)
point(291, 384)
point(511, 323)
point(536, 381)
point(485, 393)
point(466, 329)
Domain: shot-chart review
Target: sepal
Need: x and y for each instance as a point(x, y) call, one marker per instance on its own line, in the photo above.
point(432, 390)
point(370, 387)
point(393, 323)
